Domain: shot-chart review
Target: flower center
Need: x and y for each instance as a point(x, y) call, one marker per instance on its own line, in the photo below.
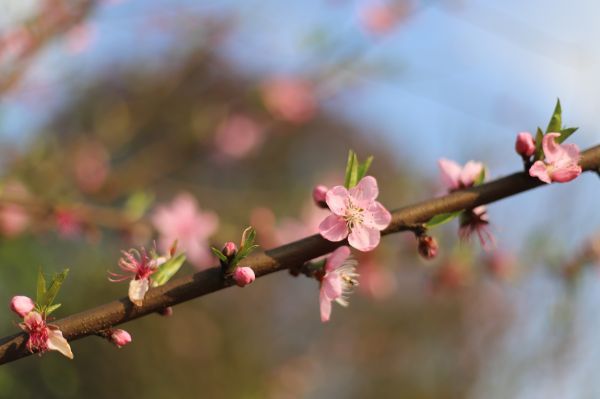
point(354, 215)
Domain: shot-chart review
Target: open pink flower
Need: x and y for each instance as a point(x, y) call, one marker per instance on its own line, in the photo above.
point(456, 177)
point(43, 337)
point(183, 221)
point(139, 267)
point(338, 280)
point(561, 163)
point(356, 215)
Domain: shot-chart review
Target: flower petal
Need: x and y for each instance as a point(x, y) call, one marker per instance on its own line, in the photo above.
point(566, 173)
point(539, 170)
point(470, 172)
point(552, 150)
point(331, 286)
point(325, 307)
point(364, 238)
point(333, 228)
point(137, 290)
point(450, 172)
point(337, 200)
point(365, 192)
point(57, 342)
point(336, 258)
point(377, 217)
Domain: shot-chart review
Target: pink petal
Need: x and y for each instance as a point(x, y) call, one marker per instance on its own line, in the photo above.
point(539, 170)
point(364, 238)
point(337, 200)
point(450, 172)
point(365, 191)
point(572, 152)
point(566, 174)
point(470, 173)
point(56, 342)
point(377, 217)
point(333, 228)
point(137, 290)
point(552, 151)
point(331, 286)
point(336, 258)
point(325, 305)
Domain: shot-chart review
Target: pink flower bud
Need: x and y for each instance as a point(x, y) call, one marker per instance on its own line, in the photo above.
point(319, 195)
point(243, 276)
point(21, 305)
point(525, 145)
point(229, 249)
point(428, 247)
point(120, 337)
point(167, 312)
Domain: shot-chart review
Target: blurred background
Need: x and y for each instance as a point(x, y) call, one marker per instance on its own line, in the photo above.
point(122, 120)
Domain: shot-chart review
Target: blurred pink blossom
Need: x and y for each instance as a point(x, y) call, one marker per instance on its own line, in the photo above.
point(356, 215)
point(183, 221)
point(43, 337)
point(455, 177)
point(376, 281)
point(91, 166)
point(14, 218)
point(68, 223)
point(380, 18)
point(561, 163)
point(290, 98)
point(338, 280)
point(16, 44)
point(238, 136)
point(291, 229)
point(80, 38)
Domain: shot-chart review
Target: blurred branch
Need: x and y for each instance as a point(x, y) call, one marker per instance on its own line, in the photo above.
point(292, 255)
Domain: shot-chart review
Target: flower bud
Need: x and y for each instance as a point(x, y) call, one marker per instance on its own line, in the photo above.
point(21, 305)
point(428, 246)
point(229, 249)
point(243, 276)
point(120, 337)
point(525, 145)
point(167, 312)
point(319, 195)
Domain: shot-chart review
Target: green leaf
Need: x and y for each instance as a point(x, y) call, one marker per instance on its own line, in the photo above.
point(52, 308)
point(41, 287)
point(555, 124)
point(480, 179)
point(248, 237)
point(364, 168)
point(565, 133)
point(349, 168)
point(539, 137)
point(442, 218)
point(53, 289)
point(138, 203)
point(219, 254)
point(167, 270)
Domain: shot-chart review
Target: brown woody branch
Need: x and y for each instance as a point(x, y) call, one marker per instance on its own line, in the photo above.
point(90, 322)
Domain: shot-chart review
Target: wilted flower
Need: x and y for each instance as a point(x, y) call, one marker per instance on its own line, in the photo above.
point(43, 337)
point(476, 221)
point(356, 215)
point(139, 267)
point(561, 163)
point(337, 281)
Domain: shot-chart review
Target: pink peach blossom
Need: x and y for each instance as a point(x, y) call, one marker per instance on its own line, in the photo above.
point(43, 337)
point(525, 145)
point(21, 305)
point(456, 177)
point(561, 163)
point(80, 37)
point(290, 98)
point(243, 276)
point(356, 215)
point(120, 337)
point(238, 135)
point(338, 280)
point(183, 221)
point(138, 266)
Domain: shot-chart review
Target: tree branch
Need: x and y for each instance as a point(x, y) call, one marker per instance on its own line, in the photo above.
point(90, 322)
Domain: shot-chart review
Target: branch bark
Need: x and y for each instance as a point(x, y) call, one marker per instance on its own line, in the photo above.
point(90, 322)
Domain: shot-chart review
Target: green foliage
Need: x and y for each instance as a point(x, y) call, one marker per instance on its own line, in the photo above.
point(554, 126)
point(356, 170)
point(246, 247)
point(442, 218)
point(167, 270)
point(138, 203)
point(47, 293)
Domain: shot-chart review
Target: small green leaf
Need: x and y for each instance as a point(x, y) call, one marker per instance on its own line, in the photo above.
point(565, 133)
point(219, 254)
point(248, 237)
point(539, 138)
point(52, 308)
point(364, 168)
point(138, 203)
point(442, 218)
point(349, 168)
point(167, 270)
point(555, 124)
point(53, 289)
point(41, 287)
point(480, 179)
